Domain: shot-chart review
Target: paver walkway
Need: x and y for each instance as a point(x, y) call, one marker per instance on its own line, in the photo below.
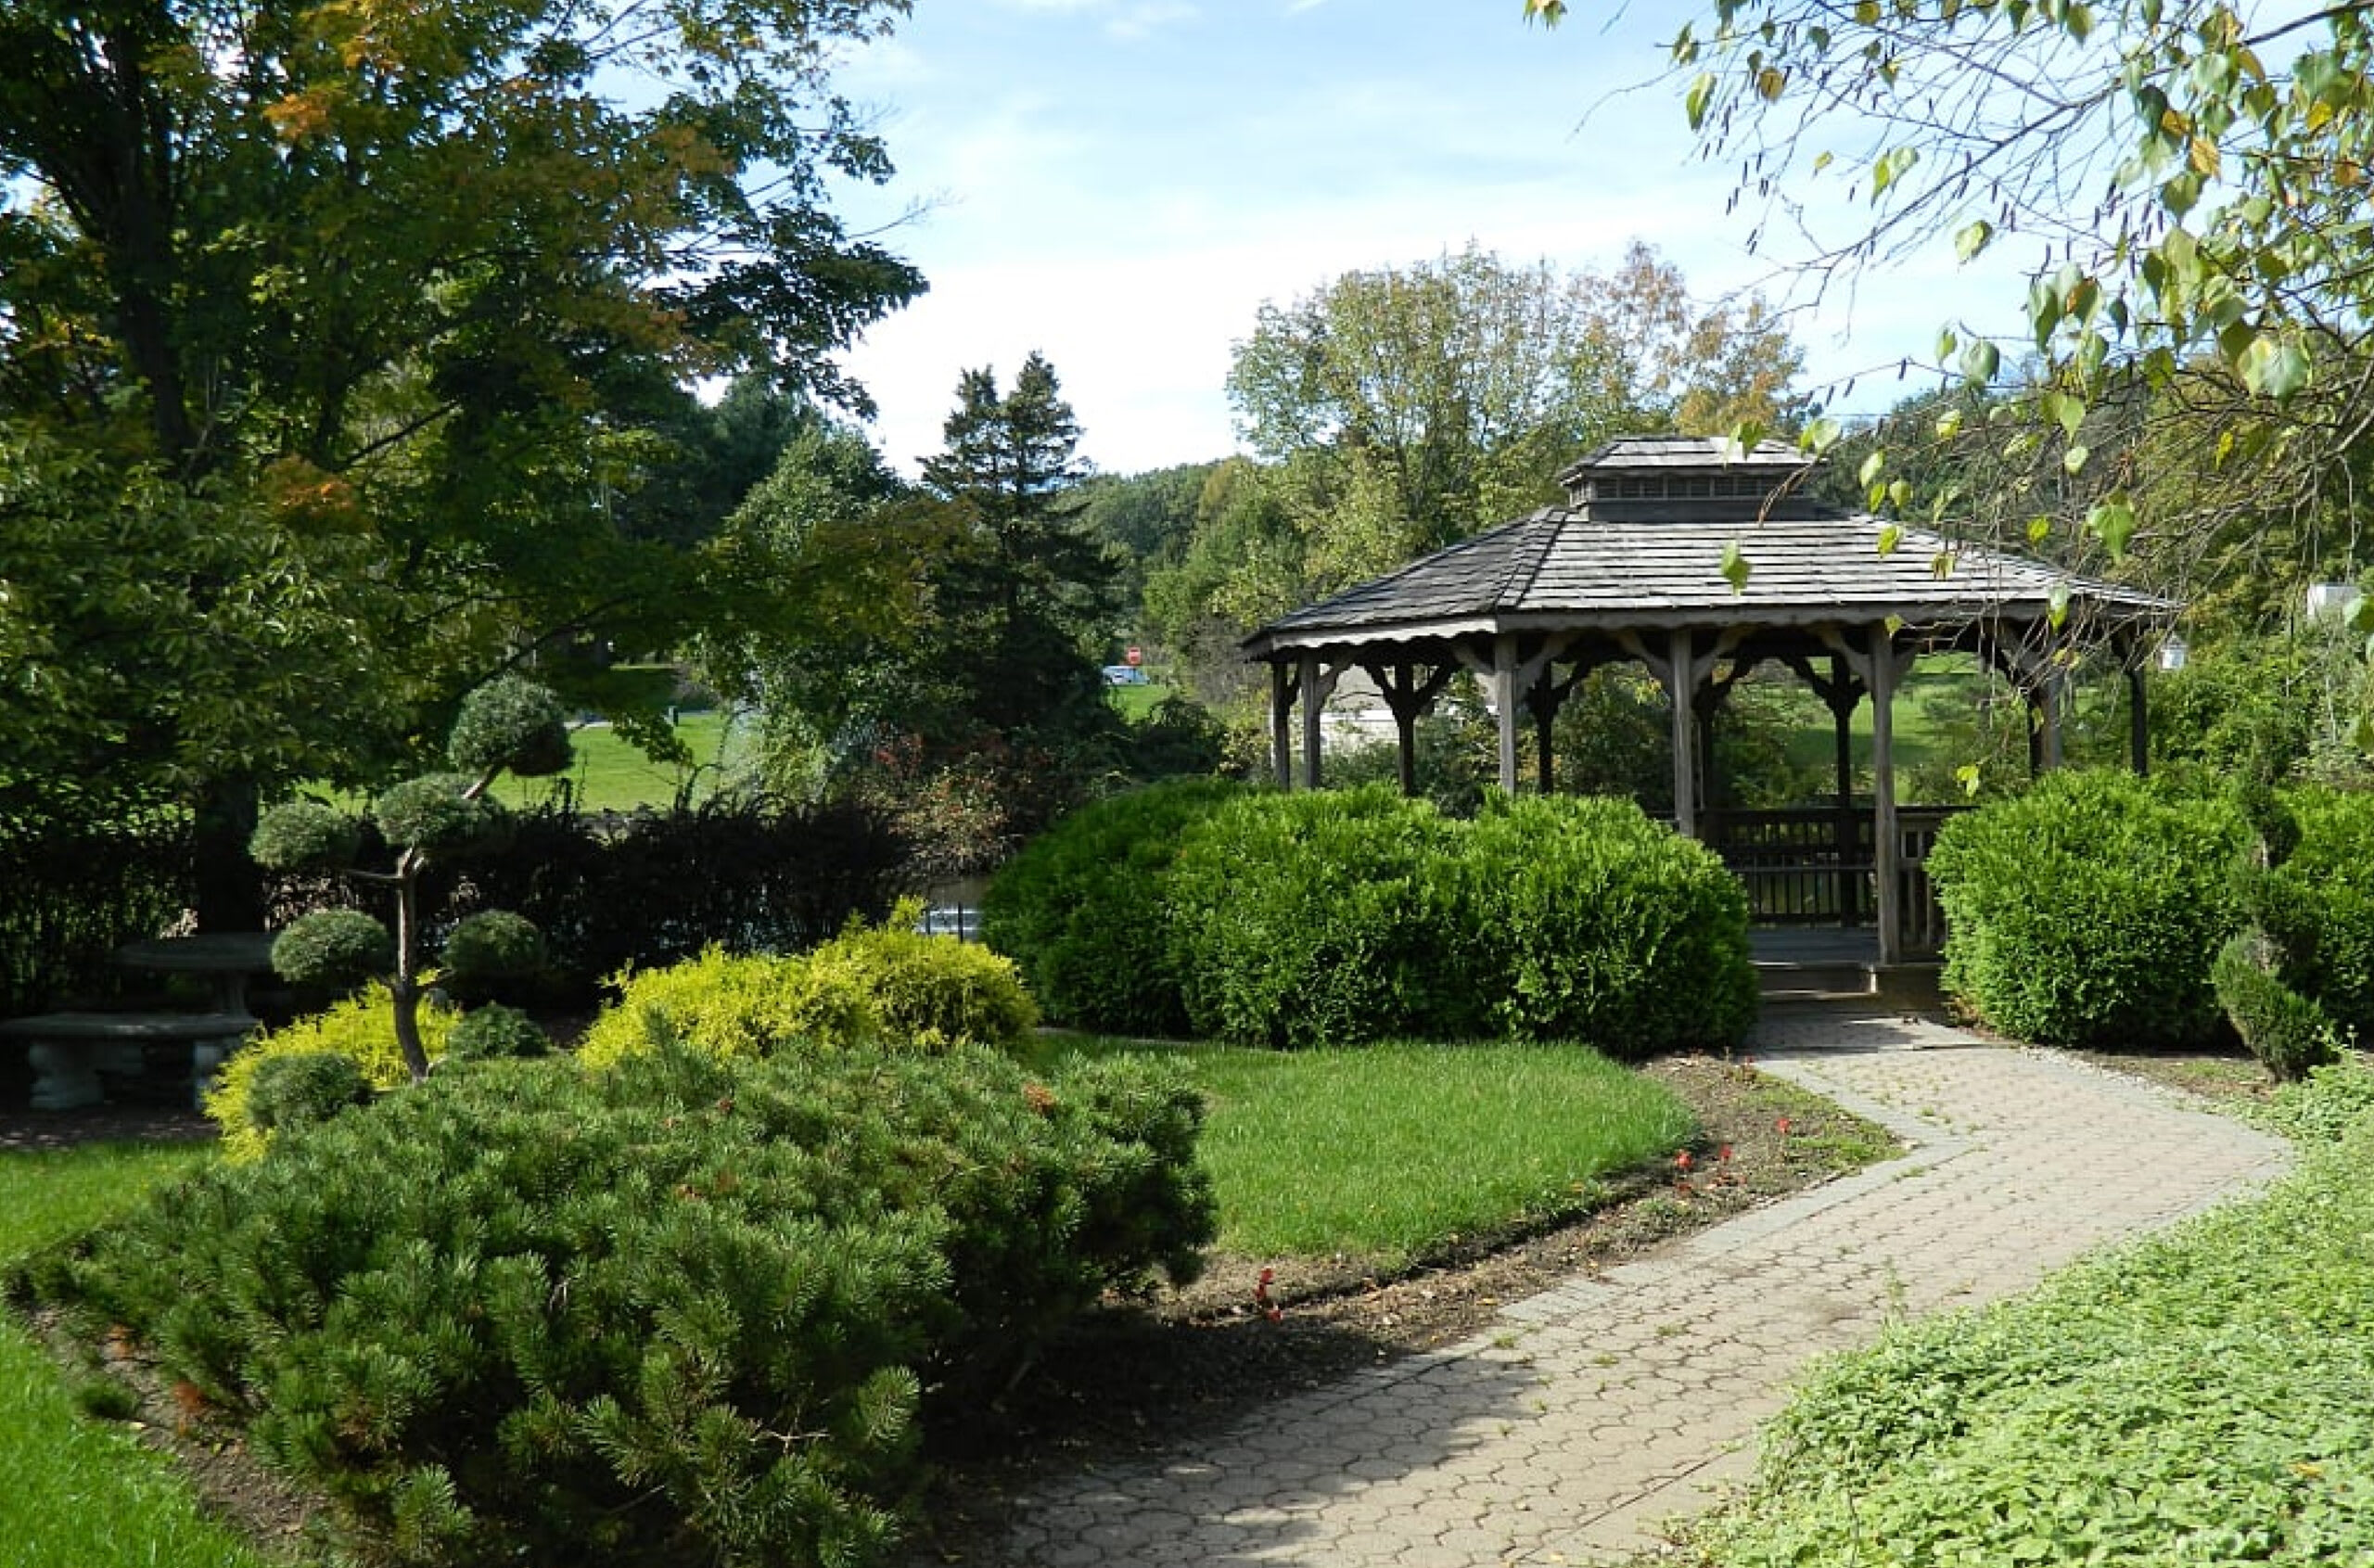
point(1595, 1411)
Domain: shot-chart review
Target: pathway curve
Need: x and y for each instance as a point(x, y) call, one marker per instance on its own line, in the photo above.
point(1595, 1411)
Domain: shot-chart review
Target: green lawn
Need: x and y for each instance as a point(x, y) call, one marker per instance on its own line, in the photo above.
point(2205, 1397)
point(610, 776)
point(76, 1493)
point(1383, 1153)
point(1135, 702)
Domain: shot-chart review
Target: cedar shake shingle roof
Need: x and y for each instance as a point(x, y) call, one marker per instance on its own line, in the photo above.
point(1640, 543)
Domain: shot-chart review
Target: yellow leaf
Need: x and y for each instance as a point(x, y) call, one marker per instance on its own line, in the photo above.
point(2205, 157)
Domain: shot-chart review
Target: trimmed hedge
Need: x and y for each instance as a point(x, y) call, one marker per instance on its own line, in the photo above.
point(1083, 909)
point(1350, 915)
point(684, 1310)
point(2331, 879)
point(2088, 910)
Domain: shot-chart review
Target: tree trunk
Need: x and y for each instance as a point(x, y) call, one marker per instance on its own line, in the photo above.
point(227, 892)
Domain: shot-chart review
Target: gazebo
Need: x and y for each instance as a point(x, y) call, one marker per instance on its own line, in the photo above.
point(1632, 568)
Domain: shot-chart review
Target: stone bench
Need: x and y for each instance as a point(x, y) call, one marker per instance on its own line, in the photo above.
point(69, 1051)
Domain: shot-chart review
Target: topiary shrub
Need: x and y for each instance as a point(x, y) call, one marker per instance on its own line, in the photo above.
point(359, 1030)
point(506, 724)
point(2089, 910)
point(1597, 923)
point(1084, 910)
point(299, 1088)
point(2256, 971)
point(931, 992)
point(734, 1006)
point(1322, 917)
point(681, 1310)
point(2330, 878)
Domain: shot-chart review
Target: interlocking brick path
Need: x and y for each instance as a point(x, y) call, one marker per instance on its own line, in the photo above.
point(1590, 1413)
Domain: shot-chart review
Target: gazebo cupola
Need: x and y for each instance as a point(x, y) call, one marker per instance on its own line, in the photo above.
point(1631, 567)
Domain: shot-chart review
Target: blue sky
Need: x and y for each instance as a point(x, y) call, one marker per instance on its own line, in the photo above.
point(1121, 184)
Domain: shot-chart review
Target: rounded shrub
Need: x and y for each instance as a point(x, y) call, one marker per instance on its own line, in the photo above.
point(1084, 910)
point(492, 944)
point(299, 1088)
point(510, 723)
point(486, 1033)
point(526, 1313)
point(1326, 917)
point(305, 836)
point(332, 948)
point(1599, 925)
point(361, 1028)
point(438, 816)
point(2331, 878)
point(2089, 910)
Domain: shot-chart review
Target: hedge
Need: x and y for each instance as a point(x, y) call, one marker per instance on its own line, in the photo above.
point(2088, 910)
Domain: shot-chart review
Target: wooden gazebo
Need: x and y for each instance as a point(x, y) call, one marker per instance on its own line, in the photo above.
point(1632, 569)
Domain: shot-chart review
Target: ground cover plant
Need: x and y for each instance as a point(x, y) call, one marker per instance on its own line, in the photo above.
point(74, 1493)
point(2205, 1396)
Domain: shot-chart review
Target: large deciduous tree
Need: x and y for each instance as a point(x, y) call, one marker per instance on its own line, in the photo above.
point(366, 314)
point(2188, 179)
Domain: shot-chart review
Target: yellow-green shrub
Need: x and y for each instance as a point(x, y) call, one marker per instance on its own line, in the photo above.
point(933, 992)
point(360, 1028)
point(733, 1006)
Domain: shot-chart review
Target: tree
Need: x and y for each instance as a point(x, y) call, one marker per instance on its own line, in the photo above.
point(391, 292)
point(2192, 182)
point(1444, 398)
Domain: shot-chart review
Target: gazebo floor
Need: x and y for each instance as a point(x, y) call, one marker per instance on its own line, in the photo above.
point(1820, 962)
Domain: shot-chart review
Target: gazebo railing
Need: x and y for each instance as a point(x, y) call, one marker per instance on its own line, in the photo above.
point(1814, 866)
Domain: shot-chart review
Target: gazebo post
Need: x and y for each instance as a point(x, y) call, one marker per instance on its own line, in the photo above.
point(2138, 723)
point(1314, 699)
point(1841, 699)
point(1886, 844)
point(1504, 707)
point(1281, 725)
point(1680, 683)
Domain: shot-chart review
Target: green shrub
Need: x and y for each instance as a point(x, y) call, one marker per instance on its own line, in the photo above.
point(495, 1030)
point(510, 724)
point(489, 946)
point(1322, 917)
point(933, 992)
point(1596, 923)
point(332, 948)
point(2088, 910)
point(681, 1310)
point(299, 1088)
point(360, 1028)
point(735, 1007)
point(438, 815)
point(305, 835)
point(2288, 1032)
point(2331, 877)
point(1084, 910)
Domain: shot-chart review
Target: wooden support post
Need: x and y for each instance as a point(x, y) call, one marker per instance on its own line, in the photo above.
point(1679, 685)
point(1405, 727)
point(1504, 707)
point(2055, 692)
point(1314, 702)
point(1281, 722)
point(1887, 844)
point(1841, 699)
point(2138, 723)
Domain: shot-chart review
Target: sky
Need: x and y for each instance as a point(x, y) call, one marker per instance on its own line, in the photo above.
point(1120, 185)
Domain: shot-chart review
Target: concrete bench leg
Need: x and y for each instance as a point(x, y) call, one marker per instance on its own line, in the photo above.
point(66, 1073)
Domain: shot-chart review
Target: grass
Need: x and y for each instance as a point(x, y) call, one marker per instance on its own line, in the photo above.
point(1391, 1153)
point(1135, 702)
point(2206, 1396)
point(610, 776)
point(75, 1493)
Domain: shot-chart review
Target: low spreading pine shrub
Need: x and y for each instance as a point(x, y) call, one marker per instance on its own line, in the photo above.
point(684, 1309)
point(2089, 910)
point(1084, 910)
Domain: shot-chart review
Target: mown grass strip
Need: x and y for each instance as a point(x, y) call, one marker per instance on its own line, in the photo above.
point(2203, 1397)
point(1388, 1152)
point(77, 1493)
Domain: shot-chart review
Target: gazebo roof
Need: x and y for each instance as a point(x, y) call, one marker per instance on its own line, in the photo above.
point(1641, 540)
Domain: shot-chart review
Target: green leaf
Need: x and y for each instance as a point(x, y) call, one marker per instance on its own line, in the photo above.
point(1874, 467)
point(1973, 239)
point(2073, 460)
point(1735, 567)
point(1701, 94)
point(2057, 603)
point(1949, 424)
point(2039, 529)
point(2113, 521)
point(1980, 361)
point(1890, 537)
point(2276, 367)
point(1820, 434)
